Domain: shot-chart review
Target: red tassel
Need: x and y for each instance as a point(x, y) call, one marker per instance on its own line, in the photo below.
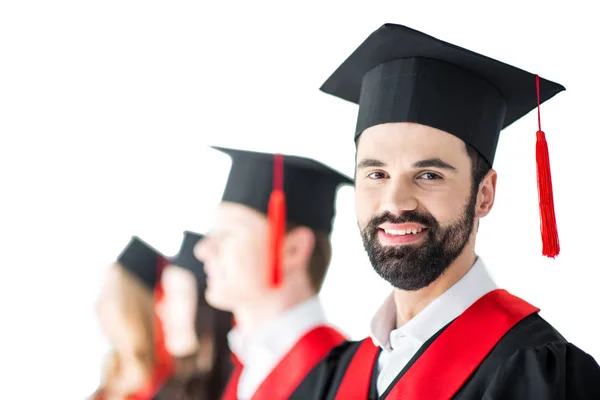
point(550, 243)
point(164, 365)
point(277, 222)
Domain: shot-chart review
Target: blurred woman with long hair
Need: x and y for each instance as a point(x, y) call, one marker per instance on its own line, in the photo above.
point(195, 333)
point(138, 364)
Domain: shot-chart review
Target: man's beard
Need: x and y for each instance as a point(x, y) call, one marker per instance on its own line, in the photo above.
point(413, 267)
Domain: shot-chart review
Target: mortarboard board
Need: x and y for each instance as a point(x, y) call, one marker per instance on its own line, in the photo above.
point(143, 261)
point(399, 74)
point(186, 258)
point(310, 187)
point(402, 75)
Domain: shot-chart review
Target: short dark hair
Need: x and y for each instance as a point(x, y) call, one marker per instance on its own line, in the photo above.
point(479, 167)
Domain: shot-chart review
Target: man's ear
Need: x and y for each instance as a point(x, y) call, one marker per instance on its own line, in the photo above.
point(486, 194)
point(298, 248)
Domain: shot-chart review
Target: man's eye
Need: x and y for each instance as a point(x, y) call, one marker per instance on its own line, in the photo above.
point(429, 176)
point(376, 175)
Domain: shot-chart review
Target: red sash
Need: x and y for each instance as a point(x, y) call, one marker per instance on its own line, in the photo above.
point(293, 368)
point(230, 392)
point(451, 359)
point(357, 379)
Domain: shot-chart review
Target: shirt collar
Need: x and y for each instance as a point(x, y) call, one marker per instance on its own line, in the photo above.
point(453, 302)
point(279, 336)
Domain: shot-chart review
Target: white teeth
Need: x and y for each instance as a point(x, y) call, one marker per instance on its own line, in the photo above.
point(402, 232)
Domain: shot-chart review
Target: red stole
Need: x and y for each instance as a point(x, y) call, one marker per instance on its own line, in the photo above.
point(292, 369)
point(450, 360)
point(164, 364)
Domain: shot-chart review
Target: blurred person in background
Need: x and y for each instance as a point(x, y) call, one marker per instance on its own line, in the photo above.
point(281, 331)
point(138, 363)
point(195, 333)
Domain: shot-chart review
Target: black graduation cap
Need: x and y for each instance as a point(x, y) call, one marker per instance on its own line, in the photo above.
point(399, 74)
point(310, 187)
point(143, 261)
point(186, 258)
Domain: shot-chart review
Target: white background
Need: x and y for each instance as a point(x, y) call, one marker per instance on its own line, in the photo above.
point(107, 108)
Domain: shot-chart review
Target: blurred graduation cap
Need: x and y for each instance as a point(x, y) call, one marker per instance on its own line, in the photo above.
point(306, 196)
point(141, 259)
point(310, 187)
point(399, 74)
point(186, 259)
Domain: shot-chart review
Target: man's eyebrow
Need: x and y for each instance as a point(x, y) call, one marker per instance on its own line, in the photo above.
point(369, 163)
point(435, 163)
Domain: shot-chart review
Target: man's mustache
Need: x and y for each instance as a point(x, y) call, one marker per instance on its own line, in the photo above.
point(428, 221)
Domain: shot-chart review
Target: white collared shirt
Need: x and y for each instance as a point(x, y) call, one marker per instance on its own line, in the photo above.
point(262, 352)
point(401, 344)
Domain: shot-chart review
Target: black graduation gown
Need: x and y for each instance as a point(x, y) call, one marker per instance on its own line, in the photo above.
point(306, 389)
point(532, 361)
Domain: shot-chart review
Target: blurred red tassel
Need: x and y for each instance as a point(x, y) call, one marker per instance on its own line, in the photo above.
point(164, 365)
point(277, 222)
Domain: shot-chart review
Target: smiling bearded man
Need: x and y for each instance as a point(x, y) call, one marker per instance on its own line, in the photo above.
point(430, 115)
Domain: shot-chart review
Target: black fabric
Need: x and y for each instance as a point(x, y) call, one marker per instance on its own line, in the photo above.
point(532, 361)
point(331, 370)
point(142, 260)
point(399, 74)
point(306, 389)
point(310, 186)
point(186, 258)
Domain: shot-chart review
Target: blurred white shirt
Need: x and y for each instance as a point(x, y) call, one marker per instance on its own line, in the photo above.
point(262, 352)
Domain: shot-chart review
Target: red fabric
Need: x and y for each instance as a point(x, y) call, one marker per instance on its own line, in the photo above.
point(550, 242)
point(230, 392)
point(357, 380)
point(277, 220)
point(293, 368)
point(277, 217)
point(164, 365)
point(452, 358)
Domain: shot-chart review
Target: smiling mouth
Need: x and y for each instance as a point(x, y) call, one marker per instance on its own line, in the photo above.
point(402, 232)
